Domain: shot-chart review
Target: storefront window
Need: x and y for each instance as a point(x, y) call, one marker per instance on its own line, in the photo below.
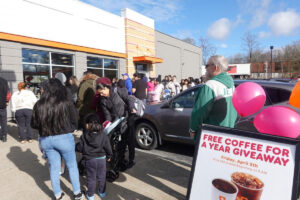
point(68, 71)
point(37, 66)
point(35, 56)
point(110, 64)
point(62, 59)
point(94, 62)
point(35, 74)
point(103, 67)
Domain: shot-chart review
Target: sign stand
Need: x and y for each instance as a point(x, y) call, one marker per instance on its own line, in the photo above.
point(231, 164)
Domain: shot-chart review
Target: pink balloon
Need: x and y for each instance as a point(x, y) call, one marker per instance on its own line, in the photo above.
point(248, 98)
point(278, 120)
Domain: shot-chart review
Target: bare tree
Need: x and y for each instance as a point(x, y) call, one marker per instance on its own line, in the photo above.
point(237, 59)
point(189, 40)
point(208, 49)
point(292, 51)
point(250, 44)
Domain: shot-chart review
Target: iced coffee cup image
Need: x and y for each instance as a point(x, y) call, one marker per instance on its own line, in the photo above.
point(249, 186)
point(223, 190)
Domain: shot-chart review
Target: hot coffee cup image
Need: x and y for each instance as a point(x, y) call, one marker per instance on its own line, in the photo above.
point(249, 186)
point(223, 190)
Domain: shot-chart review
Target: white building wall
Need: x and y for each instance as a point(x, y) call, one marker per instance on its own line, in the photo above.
point(66, 21)
point(137, 17)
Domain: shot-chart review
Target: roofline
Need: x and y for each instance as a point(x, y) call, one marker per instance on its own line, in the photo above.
point(178, 39)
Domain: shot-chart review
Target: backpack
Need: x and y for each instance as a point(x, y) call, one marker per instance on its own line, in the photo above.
point(139, 106)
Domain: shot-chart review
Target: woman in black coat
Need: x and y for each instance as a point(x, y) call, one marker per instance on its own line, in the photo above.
point(114, 102)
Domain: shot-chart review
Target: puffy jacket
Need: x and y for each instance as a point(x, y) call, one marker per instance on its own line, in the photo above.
point(94, 145)
point(4, 93)
point(116, 105)
point(86, 93)
point(128, 85)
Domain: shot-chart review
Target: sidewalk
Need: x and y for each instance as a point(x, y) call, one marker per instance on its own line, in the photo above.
point(25, 175)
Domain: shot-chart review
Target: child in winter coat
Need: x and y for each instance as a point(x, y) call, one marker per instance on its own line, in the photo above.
point(96, 149)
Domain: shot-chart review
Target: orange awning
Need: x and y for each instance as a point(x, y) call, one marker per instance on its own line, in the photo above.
point(148, 59)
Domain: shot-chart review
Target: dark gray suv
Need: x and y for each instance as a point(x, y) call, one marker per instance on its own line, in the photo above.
point(169, 120)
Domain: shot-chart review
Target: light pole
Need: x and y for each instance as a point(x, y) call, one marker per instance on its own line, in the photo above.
point(271, 47)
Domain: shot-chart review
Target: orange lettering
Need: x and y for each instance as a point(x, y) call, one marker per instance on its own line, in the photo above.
point(222, 198)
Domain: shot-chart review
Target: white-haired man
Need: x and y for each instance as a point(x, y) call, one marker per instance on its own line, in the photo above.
point(213, 104)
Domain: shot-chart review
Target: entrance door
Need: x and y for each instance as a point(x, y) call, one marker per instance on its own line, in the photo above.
point(142, 69)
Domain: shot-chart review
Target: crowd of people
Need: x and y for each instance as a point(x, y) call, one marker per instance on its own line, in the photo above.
point(157, 89)
point(69, 104)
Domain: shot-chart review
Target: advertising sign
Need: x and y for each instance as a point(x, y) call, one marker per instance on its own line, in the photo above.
point(231, 164)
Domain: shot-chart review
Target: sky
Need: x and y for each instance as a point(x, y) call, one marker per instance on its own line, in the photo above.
point(223, 22)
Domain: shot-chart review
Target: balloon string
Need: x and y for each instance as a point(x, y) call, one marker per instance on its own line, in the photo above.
point(240, 119)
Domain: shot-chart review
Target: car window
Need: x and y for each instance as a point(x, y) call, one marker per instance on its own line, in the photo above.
point(186, 100)
point(277, 95)
point(268, 101)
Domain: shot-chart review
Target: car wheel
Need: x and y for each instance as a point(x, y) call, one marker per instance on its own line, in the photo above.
point(146, 137)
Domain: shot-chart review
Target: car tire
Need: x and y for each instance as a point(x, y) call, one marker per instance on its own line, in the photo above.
point(145, 135)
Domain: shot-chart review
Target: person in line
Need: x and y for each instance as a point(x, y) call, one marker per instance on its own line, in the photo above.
point(202, 79)
point(73, 84)
point(114, 82)
point(63, 79)
point(116, 105)
point(165, 81)
point(159, 77)
point(4, 99)
point(150, 89)
point(176, 85)
point(128, 83)
point(122, 92)
point(139, 87)
point(158, 91)
point(96, 149)
point(121, 89)
point(55, 117)
point(86, 92)
point(171, 87)
point(23, 101)
point(96, 107)
point(185, 85)
point(197, 81)
point(191, 82)
point(213, 104)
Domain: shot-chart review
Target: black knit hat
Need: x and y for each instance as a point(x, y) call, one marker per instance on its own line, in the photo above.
point(92, 117)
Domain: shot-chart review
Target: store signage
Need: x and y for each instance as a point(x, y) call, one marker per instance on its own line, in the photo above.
point(231, 164)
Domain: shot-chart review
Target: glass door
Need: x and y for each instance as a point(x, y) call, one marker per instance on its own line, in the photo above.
point(142, 68)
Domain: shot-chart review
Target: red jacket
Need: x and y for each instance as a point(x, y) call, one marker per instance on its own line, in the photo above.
point(8, 96)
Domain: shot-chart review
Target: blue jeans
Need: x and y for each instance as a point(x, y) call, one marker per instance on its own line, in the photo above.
point(55, 147)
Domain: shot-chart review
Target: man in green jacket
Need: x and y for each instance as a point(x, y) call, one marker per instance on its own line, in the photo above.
point(213, 104)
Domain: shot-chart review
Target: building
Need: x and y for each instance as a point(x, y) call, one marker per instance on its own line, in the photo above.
point(179, 58)
point(39, 38)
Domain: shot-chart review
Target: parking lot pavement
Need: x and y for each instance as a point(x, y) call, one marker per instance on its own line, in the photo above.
point(24, 174)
